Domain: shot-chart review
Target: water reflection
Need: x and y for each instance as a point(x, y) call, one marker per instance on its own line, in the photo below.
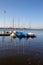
point(22, 47)
point(3, 39)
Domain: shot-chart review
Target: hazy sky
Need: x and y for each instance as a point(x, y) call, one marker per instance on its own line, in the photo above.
point(24, 11)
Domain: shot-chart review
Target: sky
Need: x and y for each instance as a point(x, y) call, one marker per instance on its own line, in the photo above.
point(26, 13)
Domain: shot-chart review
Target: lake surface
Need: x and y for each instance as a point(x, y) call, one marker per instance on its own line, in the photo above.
point(22, 51)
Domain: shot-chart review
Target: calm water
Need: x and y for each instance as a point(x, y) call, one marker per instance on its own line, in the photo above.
point(22, 51)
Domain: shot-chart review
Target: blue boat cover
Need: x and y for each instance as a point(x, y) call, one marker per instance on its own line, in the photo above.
point(24, 34)
point(18, 34)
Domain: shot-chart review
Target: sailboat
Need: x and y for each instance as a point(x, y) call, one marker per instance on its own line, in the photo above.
point(19, 34)
point(24, 34)
point(30, 34)
point(12, 35)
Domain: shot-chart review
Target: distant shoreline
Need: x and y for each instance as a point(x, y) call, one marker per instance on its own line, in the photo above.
point(22, 28)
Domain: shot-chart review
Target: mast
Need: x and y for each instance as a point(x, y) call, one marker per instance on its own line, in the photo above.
point(13, 23)
point(19, 23)
point(4, 20)
point(30, 25)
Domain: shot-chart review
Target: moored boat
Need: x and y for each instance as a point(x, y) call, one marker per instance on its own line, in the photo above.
point(24, 34)
point(12, 35)
point(18, 34)
point(32, 35)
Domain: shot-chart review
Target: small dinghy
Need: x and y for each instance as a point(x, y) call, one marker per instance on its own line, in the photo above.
point(18, 34)
point(31, 35)
point(12, 35)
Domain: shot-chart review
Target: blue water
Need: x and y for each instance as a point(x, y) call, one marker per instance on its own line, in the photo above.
point(30, 47)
